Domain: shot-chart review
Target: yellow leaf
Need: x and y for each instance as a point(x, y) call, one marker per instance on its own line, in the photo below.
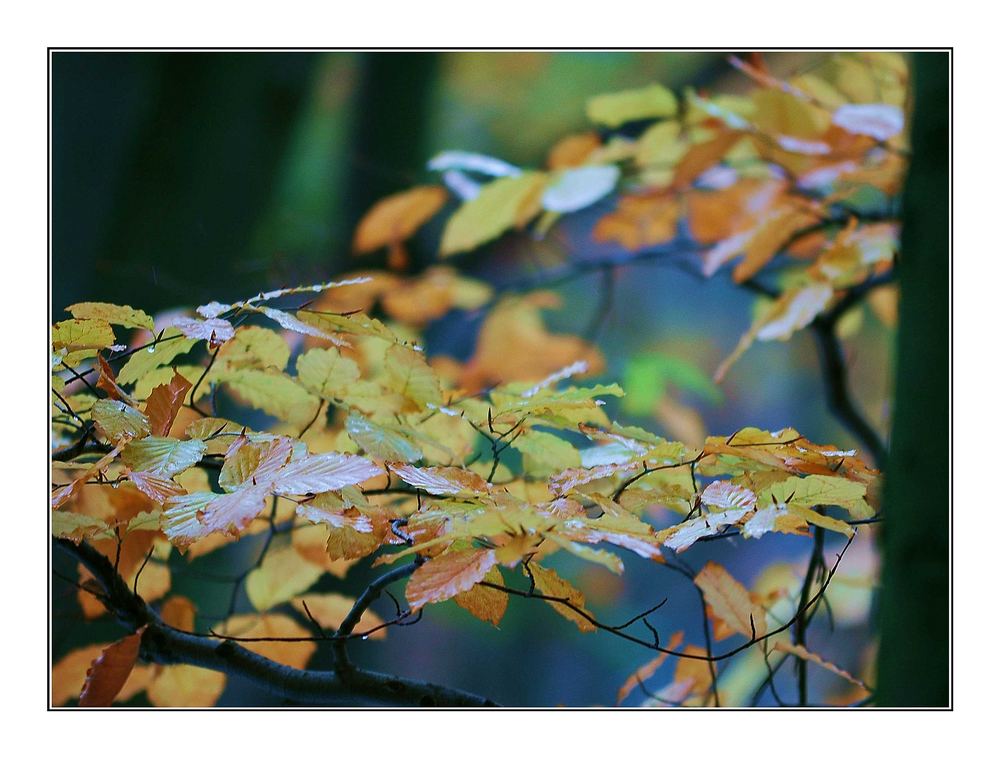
point(619, 108)
point(501, 205)
point(294, 654)
point(182, 686)
point(274, 393)
point(410, 376)
point(119, 422)
point(113, 314)
point(254, 347)
point(282, 575)
point(162, 457)
point(326, 372)
point(800, 652)
point(330, 610)
point(82, 334)
point(549, 583)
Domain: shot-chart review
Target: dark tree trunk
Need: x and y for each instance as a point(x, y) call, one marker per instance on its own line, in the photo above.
point(914, 654)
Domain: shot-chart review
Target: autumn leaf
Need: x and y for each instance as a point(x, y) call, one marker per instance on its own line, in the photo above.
point(547, 582)
point(282, 575)
point(330, 609)
point(442, 480)
point(164, 402)
point(447, 575)
point(108, 672)
point(505, 203)
point(119, 421)
point(646, 670)
point(485, 603)
point(618, 108)
point(182, 686)
point(640, 221)
point(395, 218)
point(123, 315)
point(168, 346)
point(82, 334)
point(730, 601)
point(215, 331)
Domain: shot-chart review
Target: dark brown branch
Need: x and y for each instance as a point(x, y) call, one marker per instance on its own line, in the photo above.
point(164, 644)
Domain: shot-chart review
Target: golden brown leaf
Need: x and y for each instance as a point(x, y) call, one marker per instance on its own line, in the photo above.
point(279, 627)
point(163, 404)
point(640, 221)
point(572, 150)
point(447, 575)
point(646, 670)
point(485, 603)
point(109, 671)
point(731, 601)
point(549, 583)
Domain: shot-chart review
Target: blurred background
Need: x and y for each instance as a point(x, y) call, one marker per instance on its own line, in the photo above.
point(179, 178)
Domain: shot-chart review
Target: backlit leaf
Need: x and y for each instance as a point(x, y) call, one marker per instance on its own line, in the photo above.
point(441, 480)
point(326, 372)
point(123, 315)
point(485, 603)
point(164, 402)
point(549, 583)
point(381, 441)
point(118, 421)
point(447, 575)
point(619, 108)
point(730, 601)
point(395, 218)
point(502, 204)
point(281, 576)
point(163, 457)
point(82, 334)
point(577, 188)
point(171, 344)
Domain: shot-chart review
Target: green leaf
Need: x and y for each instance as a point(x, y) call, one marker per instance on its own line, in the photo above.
point(649, 376)
point(618, 108)
point(501, 205)
point(171, 344)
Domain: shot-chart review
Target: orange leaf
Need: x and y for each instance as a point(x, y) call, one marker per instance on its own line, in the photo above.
point(109, 671)
point(731, 601)
point(164, 402)
point(572, 150)
point(485, 603)
point(394, 218)
point(447, 575)
point(703, 156)
point(646, 670)
point(801, 652)
point(106, 382)
point(640, 221)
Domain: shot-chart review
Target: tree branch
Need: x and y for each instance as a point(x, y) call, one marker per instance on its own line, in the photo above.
point(165, 644)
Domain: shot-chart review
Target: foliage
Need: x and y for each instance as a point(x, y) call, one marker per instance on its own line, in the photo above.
point(470, 478)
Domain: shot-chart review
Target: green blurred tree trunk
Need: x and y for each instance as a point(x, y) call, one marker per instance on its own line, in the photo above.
point(913, 663)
